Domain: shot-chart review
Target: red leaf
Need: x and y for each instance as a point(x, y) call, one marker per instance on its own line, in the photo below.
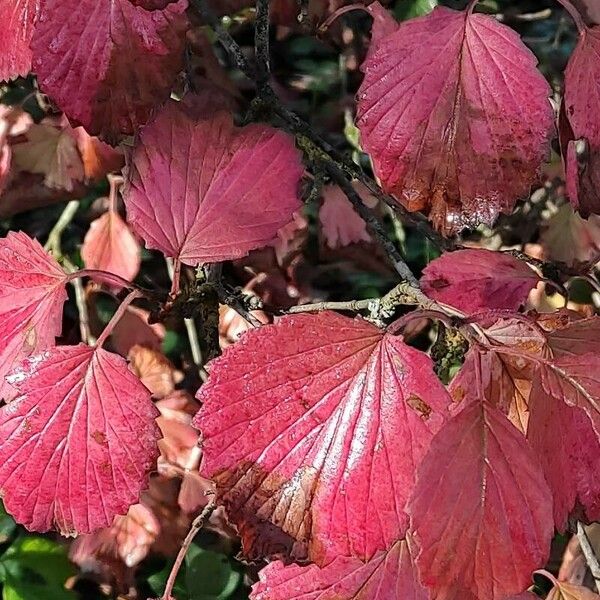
point(387, 576)
point(206, 191)
point(108, 63)
point(455, 115)
point(110, 246)
point(569, 452)
point(476, 280)
point(576, 380)
point(32, 294)
point(78, 442)
point(312, 429)
point(17, 20)
point(582, 94)
point(481, 510)
point(577, 337)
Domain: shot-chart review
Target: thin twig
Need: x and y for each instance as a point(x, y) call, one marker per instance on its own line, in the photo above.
point(53, 243)
point(81, 303)
point(197, 525)
point(375, 227)
point(588, 552)
point(261, 42)
point(190, 326)
point(349, 305)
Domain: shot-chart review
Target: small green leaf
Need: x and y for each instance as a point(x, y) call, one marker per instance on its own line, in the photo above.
point(157, 582)
point(208, 575)
point(408, 9)
point(7, 525)
point(38, 557)
point(20, 590)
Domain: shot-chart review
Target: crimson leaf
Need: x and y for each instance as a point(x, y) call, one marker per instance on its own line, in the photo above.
point(108, 63)
point(455, 115)
point(387, 576)
point(78, 442)
point(312, 429)
point(202, 190)
point(481, 510)
point(475, 280)
point(17, 20)
point(32, 293)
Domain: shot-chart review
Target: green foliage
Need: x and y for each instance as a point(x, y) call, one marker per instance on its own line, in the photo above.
point(407, 9)
point(205, 575)
point(33, 568)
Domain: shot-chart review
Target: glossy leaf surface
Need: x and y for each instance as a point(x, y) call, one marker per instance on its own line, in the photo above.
point(78, 442)
point(455, 116)
point(312, 429)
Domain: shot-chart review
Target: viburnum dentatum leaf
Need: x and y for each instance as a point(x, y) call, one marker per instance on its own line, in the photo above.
point(569, 238)
point(312, 429)
point(576, 380)
point(17, 20)
point(388, 575)
point(202, 190)
point(578, 337)
point(78, 442)
point(569, 452)
point(110, 246)
point(108, 63)
point(504, 380)
point(477, 280)
point(455, 116)
point(582, 94)
point(481, 511)
point(32, 294)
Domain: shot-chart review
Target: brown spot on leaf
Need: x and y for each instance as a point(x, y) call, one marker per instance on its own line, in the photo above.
point(99, 437)
point(419, 406)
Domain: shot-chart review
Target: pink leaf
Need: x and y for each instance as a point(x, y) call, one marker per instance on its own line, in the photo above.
point(481, 510)
point(311, 430)
point(582, 94)
point(569, 452)
point(110, 246)
point(133, 329)
point(478, 280)
point(17, 20)
point(455, 115)
point(207, 191)
point(576, 380)
point(340, 222)
point(108, 63)
point(387, 576)
point(32, 294)
point(78, 442)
